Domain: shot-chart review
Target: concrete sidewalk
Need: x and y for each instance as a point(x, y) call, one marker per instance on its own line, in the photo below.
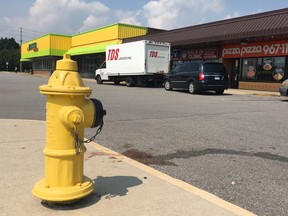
point(251, 92)
point(122, 186)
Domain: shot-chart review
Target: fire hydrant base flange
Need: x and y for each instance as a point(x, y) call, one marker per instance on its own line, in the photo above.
point(63, 194)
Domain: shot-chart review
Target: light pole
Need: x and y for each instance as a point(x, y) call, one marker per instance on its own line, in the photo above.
point(20, 48)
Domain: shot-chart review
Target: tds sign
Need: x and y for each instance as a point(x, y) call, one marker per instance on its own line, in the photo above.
point(113, 54)
point(153, 54)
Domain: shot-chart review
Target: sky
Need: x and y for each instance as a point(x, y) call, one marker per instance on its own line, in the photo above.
point(69, 17)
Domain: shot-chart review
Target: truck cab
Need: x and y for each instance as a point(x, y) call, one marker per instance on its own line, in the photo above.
point(101, 73)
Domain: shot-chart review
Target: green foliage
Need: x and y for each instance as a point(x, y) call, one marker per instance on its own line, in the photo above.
point(8, 43)
point(9, 52)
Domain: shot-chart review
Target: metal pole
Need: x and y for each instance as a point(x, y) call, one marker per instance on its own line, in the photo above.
point(20, 48)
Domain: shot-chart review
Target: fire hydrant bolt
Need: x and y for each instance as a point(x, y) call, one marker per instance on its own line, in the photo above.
point(77, 119)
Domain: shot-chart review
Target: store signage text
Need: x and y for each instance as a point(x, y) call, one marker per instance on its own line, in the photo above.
point(32, 46)
point(198, 53)
point(257, 49)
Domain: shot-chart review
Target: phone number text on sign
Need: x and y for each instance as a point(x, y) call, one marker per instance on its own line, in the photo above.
point(271, 49)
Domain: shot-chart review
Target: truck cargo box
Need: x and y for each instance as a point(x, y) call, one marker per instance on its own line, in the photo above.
point(140, 58)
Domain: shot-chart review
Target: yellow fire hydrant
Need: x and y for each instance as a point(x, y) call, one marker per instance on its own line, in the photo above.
point(68, 112)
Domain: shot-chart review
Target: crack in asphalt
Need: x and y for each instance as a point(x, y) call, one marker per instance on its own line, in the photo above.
point(164, 160)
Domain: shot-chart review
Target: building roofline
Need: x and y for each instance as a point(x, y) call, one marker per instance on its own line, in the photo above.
point(109, 26)
point(46, 35)
point(223, 30)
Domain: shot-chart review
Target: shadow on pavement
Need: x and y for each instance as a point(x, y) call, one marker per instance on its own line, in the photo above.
point(105, 187)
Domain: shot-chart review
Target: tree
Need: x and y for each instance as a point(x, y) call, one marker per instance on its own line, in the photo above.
point(9, 52)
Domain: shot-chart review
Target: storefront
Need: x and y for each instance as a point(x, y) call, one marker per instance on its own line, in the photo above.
point(253, 48)
point(87, 48)
point(261, 66)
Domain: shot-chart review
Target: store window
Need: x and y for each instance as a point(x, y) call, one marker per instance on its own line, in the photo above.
point(90, 64)
point(266, 69)
point(43, 64)
point(279, 68)
point(249, 69)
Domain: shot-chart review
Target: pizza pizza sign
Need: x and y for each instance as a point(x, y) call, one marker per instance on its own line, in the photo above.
point(279, 48)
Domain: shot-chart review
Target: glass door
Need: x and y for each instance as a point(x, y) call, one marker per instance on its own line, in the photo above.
point(234, 79)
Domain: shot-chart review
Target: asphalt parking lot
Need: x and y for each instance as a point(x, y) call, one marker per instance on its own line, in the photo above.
point(233, 145)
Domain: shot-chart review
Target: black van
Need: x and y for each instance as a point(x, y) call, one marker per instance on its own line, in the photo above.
point(198, 76)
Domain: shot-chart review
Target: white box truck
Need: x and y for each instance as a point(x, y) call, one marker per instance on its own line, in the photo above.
point(136, 63)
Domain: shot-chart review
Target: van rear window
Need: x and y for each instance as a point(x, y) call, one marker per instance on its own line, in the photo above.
point(215, 68)
point(189, 67)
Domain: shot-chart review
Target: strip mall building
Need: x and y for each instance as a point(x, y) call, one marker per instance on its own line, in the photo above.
point(88, 48)
point(253, 48)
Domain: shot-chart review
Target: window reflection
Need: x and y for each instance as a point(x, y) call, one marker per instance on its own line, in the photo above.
point(263, 69)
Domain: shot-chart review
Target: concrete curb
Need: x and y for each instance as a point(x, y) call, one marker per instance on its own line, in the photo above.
point(251, 92)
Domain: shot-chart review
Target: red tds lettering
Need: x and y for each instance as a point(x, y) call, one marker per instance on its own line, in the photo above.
point(153, 54)
point(113, 54)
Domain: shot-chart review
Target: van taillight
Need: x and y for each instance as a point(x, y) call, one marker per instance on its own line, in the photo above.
point(201, 76)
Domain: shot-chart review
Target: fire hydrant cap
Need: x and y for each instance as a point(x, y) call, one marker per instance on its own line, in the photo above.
point(65, 80)
point(66, 64)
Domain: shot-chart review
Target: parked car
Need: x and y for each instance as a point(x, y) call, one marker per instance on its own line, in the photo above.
point(284, 88)
point(198, 76)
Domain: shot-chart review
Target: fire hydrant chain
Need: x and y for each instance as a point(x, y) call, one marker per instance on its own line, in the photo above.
point(97, 132)
point(79, 143)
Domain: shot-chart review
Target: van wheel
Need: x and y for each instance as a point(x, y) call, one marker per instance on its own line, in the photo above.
point(167, 85)
point(99, 80)
point(219, 92)
point(192, 88)
point(130, 82)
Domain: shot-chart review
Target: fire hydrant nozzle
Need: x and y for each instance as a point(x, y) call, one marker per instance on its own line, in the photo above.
point(68, 113)
point(71, 116)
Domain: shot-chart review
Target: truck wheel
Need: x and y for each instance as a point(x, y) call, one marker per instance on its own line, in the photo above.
point(130, 82)
point(167, 85)
point(116, 82)
point(192, 88)
point(99, 80)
